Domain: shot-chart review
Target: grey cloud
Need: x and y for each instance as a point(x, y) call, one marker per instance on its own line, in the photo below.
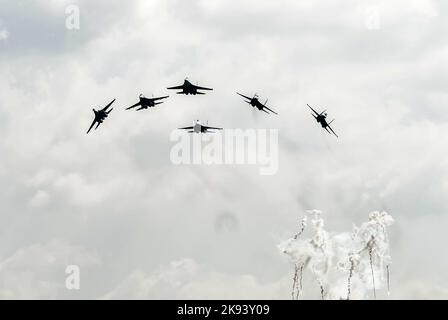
point(116, 193)
point(186, 279)
point(48, 263)
point(39, 27)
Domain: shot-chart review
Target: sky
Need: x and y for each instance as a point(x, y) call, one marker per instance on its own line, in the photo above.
point(140, 227)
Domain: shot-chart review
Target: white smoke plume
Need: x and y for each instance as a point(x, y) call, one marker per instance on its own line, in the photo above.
point(344, 265)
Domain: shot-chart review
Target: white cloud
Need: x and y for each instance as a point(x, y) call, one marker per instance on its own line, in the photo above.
point(186, 279)
point(421, 290)
point(38, 271)
point(4, 34)
point(40, 198)
point(116, 189)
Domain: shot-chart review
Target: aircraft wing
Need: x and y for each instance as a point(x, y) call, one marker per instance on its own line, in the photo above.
point(176, 88)
point(270, 110)
point(244, 96)
point(332, 131)
point(133, 106)
point(105, 108)
point(313, 110)
point(91, 126)
point(159, 98)
point(202, 88)
point(213, 128)
point(186, 128)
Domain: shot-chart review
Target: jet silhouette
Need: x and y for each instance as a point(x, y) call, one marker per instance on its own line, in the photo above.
point(322, 119)
point(146, 103)
point(255, 102)
point(199, 128)
point(188, 88)
point(100, 115)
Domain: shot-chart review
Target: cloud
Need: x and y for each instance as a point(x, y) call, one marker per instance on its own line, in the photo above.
point(116, 193)
point(38, 271)
point(41, 198)
point(420, 290)
point(186, 279)
point(4, 34)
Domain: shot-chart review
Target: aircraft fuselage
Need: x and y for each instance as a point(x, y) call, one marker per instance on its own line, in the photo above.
point(189, 88)
point(322, 120)
point(147, 103)
point(100, 115)
point(197, 128)
point(254, 102)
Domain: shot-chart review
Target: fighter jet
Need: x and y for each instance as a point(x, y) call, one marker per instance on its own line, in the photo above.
point(255, 102)
point(199, 128)
point(100, 115)
point(189, 88)
point(146, 103)
point(322, 119)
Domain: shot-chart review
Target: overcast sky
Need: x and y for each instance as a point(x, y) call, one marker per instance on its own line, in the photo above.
point(139, 226)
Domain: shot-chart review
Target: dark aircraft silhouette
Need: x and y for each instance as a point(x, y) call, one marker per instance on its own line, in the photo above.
point(189, 88)
point(199, 128)
point(146, 103)
point(100, 115)
point(322, 119)
point(255, 102)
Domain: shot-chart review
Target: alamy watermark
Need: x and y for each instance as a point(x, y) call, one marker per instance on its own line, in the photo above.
point(372, 18)
point(227, 147)
point(73, 280)
point(73, 19)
